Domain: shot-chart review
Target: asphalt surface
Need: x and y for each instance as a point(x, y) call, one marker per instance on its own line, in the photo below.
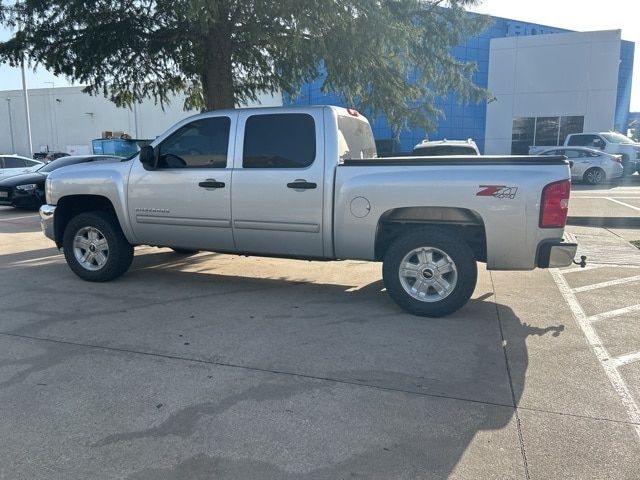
point(215, 366)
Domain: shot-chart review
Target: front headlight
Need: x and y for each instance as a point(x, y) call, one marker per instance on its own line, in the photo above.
point(30, 187)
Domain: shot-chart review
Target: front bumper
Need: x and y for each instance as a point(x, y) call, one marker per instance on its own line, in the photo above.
point(556, 254)
point(47, 221)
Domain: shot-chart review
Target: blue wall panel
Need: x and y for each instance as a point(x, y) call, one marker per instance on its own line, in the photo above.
point(625, 73)
point(461, 121)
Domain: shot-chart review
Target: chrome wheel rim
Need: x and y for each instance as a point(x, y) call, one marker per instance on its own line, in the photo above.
point(594, 176)
point(428, 274)
point(91, 249)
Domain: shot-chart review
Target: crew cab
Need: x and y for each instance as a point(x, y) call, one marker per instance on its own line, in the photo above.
point(306, 183)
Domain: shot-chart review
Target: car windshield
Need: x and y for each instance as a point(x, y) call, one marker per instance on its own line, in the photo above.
point(617, 138)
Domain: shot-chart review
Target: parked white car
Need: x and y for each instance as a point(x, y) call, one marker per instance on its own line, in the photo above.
point(590, 165)
point(609, 142)
point(437, 148)
point(15, 165)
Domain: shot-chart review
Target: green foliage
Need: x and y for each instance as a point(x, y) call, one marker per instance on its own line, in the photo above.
point(381, 56)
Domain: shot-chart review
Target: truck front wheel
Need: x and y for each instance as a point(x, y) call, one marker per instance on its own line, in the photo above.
point(95, 248)
point(430, 272)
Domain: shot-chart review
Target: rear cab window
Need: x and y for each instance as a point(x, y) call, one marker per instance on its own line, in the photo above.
point(355, 138)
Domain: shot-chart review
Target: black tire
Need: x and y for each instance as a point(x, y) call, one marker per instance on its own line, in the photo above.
point(594, 176)
point(627, 165)
point(184, 251)
point(119, 254)
point(431, 238)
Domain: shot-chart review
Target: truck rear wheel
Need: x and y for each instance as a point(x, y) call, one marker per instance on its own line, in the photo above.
point(430, 272)
point(95, 248)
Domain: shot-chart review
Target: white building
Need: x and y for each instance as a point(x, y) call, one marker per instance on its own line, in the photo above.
point(547, 86)
point(65, 119)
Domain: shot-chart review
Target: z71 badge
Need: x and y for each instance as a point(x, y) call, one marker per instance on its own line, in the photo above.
point(497, 191)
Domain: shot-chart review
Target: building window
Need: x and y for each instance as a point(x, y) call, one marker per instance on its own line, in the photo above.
point(542, 131)
point(522, 135)
point(569, 125)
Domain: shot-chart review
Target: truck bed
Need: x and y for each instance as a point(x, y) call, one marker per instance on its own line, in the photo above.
point(458, 160)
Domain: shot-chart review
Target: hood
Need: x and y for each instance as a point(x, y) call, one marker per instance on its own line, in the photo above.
point(23, 179)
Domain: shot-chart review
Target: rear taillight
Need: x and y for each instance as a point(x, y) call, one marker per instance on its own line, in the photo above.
point(616, 158)
point(554, 205)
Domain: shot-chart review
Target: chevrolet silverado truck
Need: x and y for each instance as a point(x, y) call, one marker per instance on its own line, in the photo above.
point(306, 183)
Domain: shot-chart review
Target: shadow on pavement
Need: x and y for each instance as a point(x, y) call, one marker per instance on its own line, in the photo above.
point(431, 447)
point(605, 222)
point(410, 425)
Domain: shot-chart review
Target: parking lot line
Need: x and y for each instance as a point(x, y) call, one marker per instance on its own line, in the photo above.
point(626, 359)
point(19, 218)
point(613, 313)
point(595, 286)
point(622, 203)
point(601, 353)
point(595, 197)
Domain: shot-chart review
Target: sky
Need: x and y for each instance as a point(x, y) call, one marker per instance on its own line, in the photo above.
point(570, 14)
point(579, 15)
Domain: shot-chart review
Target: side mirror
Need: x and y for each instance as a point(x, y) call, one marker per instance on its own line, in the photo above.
point(148, 157)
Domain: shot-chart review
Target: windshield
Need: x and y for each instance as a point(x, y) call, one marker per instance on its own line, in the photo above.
point(617, 138)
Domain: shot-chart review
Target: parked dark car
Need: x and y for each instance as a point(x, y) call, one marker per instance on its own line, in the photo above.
point(27, 190)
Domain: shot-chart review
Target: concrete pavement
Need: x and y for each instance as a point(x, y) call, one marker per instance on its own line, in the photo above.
point(218, 366)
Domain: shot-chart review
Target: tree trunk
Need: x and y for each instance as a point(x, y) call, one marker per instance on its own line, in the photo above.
point(217, 75)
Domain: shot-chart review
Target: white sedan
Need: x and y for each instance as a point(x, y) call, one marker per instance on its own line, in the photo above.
point(589, 165)
point(15, 165)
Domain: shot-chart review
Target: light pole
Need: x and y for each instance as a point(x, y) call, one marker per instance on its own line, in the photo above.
point(52, 119)
point(25, 94)
point(13, 147)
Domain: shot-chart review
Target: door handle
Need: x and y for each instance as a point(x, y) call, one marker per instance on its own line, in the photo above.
point(211, 183)
point(302, 185)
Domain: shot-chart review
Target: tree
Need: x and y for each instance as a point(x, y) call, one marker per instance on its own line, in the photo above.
point(388, 57)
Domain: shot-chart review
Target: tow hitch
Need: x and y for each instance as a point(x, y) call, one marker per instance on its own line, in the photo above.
point(582, 262)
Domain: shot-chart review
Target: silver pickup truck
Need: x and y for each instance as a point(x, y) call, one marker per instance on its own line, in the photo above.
point(305, 183)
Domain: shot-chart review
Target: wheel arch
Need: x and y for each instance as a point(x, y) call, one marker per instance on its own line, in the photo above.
point(465, 223)
point(72, 205)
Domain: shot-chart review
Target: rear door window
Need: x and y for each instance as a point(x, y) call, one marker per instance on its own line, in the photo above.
point(286, 140)
point(13, 162)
